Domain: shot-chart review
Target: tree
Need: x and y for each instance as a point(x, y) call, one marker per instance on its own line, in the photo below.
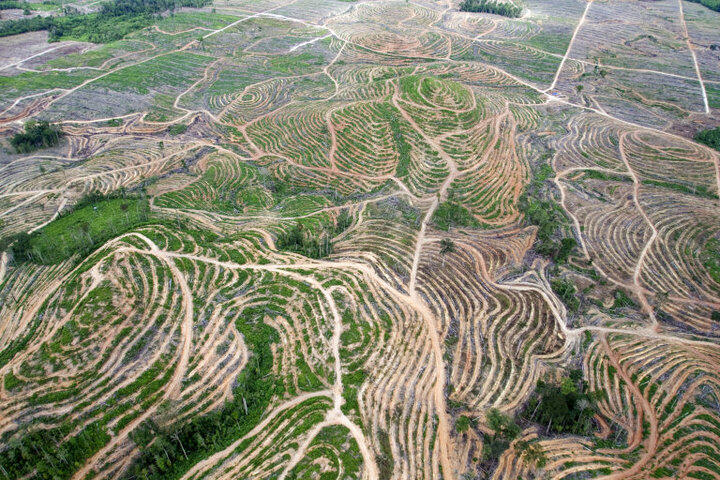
point(446, 246)
point(532, 452)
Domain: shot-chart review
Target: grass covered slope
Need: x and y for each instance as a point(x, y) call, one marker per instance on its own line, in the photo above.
point(89, 224)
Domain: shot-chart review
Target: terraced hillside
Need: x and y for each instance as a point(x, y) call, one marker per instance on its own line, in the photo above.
point(324, 239)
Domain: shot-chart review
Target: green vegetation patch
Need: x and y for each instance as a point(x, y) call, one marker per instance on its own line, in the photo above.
point(505, 9)
point(710, 258)
point(567, 293)
point(309, 242)
point(711, 4)
point(50, 454)
point(452, 214)
point(333, 447)
point(709, 137)
point(93, 221)
point(37, 135)
point(171, 70)
point(548, 216)
point(296, 64)
point(114, 20)
point(504, 429)
point(565, 408)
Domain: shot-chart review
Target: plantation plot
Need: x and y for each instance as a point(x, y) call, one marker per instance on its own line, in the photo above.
point(324, 239)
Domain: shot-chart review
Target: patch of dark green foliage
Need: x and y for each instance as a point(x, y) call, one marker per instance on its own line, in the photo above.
point(567, 293)
point(49, 454)
point(310, 243)
point(451, 214)
point(504, 429)
point(168, 452)
point(711, 136)
point(11, 4)
point(177, 129)
point(37, 135)
point(114, 20)
point(565, 408)
point(711, 4)
point(548, 217)
point(490, 6)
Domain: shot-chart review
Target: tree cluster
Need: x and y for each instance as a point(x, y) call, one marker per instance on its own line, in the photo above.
point(37, 135)
point(91, 222)
point(710, 137)
point(505, 9)
point(565, 408)
point(303, 240)
point(49, 454)
point(114, 20)
point(711, 4)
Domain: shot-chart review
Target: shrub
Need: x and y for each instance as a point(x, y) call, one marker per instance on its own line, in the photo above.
point(505, 430)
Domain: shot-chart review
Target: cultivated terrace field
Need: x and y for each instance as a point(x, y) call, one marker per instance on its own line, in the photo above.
point(377, 239)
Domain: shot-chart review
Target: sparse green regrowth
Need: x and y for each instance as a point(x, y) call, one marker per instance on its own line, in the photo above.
point(532, 452)
point(167, 453)
point(93, 221)
point(622, 300)
point(710, 257)
point(505, 9)
point(385, 459)
point(392, 116)
point(37, 135)
point(462, 424)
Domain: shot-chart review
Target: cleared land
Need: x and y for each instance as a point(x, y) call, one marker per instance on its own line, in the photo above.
point(318, 239)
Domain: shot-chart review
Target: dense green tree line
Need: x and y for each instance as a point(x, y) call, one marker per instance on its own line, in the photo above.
point(11, 4)
point(48, 454)
point(37, 135)
point(505, 9)
point(711, 4)
point(114, 20)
